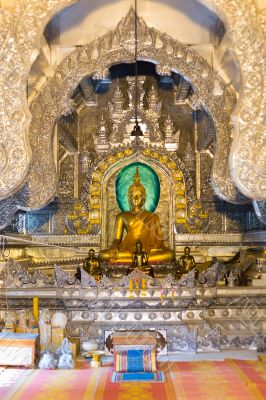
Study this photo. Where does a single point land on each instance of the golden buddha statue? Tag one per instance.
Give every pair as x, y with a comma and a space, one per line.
92, 266
186, 261
140, 225
140, 261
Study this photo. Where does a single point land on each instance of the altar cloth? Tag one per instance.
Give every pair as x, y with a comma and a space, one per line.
135, 361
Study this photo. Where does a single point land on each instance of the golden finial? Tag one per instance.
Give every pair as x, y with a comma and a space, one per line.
137, 177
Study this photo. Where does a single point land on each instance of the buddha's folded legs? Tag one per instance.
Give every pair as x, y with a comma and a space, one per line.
161, 255
122, 256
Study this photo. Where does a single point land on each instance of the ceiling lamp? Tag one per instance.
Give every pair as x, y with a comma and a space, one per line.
137, 129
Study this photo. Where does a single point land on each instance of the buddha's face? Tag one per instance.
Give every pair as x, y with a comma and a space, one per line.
138, 247
187, 251
136, 198
91, 253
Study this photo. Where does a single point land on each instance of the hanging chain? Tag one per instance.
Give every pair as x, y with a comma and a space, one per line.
4, 251
136, 65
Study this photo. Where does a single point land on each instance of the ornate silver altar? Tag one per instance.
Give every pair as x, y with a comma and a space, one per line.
197, 317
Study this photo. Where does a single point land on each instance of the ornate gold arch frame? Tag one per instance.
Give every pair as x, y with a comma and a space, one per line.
123, 156
19, 44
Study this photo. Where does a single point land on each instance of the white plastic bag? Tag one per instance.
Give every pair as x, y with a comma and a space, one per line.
66, 361
65, 357
47, 360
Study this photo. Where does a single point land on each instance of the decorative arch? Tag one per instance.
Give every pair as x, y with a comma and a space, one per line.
246, 32
95, 59
20, 35
22, 43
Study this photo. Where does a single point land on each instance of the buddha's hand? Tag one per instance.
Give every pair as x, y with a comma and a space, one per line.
113, 253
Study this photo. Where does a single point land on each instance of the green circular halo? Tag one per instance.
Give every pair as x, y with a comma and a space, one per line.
148, 178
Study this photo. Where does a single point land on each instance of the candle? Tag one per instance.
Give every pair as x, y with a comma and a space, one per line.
162, 294
36, 308
143, 283
130, 284
137, 283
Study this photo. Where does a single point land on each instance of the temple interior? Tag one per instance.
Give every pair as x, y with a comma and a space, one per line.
132, 199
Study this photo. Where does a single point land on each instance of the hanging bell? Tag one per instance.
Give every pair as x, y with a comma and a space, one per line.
137, 130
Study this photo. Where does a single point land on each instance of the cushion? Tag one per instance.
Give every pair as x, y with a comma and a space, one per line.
135, 361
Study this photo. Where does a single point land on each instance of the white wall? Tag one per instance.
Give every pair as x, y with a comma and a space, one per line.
185, 20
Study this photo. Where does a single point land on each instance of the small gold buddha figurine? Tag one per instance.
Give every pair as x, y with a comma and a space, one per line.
140, 225
186, 261
140, 260
92, 266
